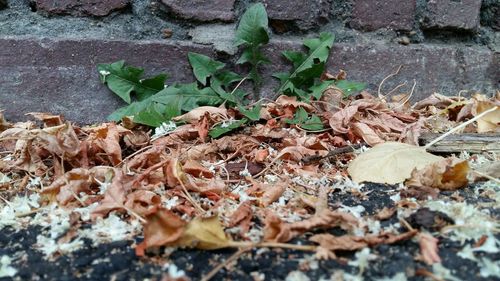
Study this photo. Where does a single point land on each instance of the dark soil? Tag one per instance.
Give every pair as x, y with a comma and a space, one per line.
117, 261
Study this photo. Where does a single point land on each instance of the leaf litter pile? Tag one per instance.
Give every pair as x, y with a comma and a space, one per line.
334, 201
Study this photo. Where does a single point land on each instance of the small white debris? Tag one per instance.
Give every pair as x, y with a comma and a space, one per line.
489, 268
164, 129
5, 269
173, 271
104, 73
355, 211
170, 203
444, 273
4, 178
297, 275
362, 259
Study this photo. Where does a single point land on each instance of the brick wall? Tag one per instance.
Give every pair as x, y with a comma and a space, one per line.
49, 49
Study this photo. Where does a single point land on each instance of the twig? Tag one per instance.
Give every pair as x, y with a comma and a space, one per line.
335, 152
387, 77
223, 264
487, 176
409, 96
438, 139
133, 154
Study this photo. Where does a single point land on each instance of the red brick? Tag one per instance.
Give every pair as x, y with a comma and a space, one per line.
96, 8
449, 14
201, 10
60, 76
370, 15
304, 14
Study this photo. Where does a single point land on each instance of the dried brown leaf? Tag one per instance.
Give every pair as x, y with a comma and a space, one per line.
446, 174
429, 248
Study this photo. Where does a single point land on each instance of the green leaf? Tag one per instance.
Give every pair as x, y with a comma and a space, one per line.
168, 103
313, 124
318, 89
252, 113
252, 29
187, 96
204, 67
350, 87
302, 119
307, 68
223, 128
156, 114
252, 33
124, 80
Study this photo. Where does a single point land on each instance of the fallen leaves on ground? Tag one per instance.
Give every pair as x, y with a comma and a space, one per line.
251, 187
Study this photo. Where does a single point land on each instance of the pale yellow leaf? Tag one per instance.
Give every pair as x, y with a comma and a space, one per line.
205, 234
390, 162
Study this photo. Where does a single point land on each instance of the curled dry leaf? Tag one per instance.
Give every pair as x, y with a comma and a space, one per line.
329, 243
242, 217
195, 169
205, 234
107, 139
446, 174
385, 213
390, 163
369, 135
162, 228
292, 101
490, 122
194, 115
60, 140
142, 201
278, 231
429, 248
272, 192
73, 182
340, 120
116, 194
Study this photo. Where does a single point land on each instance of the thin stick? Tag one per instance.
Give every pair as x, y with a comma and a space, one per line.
223, 264
335, 152
440, 138
409, 96
383, 81
487, 176
238, 85
133, 154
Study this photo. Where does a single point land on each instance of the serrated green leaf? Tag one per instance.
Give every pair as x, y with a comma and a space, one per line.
204, 67
156, 114
308, 67
188, 96
313, 124
222, 129
252, 29
318, 89
301, 118
350, 87
252, 113
252, 33
124, 80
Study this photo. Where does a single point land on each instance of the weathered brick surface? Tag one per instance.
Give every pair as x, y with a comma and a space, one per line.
450, 14
374, 14
304, 14
97, 8
201, 10
59, 76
